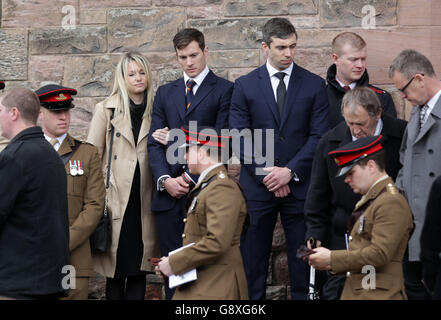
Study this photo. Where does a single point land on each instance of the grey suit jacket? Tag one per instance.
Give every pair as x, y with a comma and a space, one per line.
420, 155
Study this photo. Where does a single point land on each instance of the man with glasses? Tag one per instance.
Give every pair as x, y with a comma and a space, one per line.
413, 74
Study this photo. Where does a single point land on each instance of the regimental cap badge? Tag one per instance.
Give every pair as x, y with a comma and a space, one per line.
61, 97
221, 175
55, 97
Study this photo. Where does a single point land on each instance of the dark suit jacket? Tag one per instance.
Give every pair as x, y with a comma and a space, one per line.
330, 201
34, 225
431, 241
296, 133
210, 107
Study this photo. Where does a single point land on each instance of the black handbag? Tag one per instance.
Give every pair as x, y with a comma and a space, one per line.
100, 238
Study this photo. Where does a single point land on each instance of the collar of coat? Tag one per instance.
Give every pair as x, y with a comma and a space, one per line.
331, 79
341, 131
221, 171
67, 145
374, 192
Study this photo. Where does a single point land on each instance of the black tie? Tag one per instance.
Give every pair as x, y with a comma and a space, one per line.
281, 91
189, 96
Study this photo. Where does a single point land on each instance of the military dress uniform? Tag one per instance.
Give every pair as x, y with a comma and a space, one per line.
85, 191
382, 223
216, 212
214, 223
85, 195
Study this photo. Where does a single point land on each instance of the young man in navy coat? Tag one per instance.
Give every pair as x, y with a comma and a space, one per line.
295, 111
199, 96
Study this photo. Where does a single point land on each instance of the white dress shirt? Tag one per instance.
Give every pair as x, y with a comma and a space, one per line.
274, 80
352, 85
198, 79
60, 140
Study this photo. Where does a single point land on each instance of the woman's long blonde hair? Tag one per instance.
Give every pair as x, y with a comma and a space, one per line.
120, 84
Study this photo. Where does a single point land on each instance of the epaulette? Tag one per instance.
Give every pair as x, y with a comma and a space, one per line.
377, 90
392, 189
85, 142
78, 141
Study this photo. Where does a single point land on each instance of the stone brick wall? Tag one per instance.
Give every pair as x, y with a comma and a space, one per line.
38, 47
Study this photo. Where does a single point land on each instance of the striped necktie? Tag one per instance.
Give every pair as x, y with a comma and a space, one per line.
189, 96
423, 113
53, 141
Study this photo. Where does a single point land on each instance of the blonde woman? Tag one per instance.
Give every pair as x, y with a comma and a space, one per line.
133, 238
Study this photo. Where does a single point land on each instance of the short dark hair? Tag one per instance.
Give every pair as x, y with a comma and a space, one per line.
279, 28
25, 100
185, 36
378, 157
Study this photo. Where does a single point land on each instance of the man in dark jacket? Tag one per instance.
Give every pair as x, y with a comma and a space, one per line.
330, 202
349, 54
34, 226
431, 241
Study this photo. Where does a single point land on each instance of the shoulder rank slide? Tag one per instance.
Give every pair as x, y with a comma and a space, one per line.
391, 189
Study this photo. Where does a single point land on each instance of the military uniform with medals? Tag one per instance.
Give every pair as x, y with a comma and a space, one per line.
85, 191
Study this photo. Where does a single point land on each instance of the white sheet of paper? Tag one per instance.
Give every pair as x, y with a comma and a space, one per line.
176, 280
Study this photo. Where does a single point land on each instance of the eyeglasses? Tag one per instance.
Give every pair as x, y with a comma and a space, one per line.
410, 81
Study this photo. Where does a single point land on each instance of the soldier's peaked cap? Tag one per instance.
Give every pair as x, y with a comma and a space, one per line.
207, 136
346, 157
56, 97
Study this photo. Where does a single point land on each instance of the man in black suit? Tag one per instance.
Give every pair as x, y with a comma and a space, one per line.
288, 105
330, 202
199, 96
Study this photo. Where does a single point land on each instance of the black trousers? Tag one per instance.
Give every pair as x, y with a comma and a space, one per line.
126, 288
413, 276
170, 227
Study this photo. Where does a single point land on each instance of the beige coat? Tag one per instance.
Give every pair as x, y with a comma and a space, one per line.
379, 241
214, 224
123, 165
